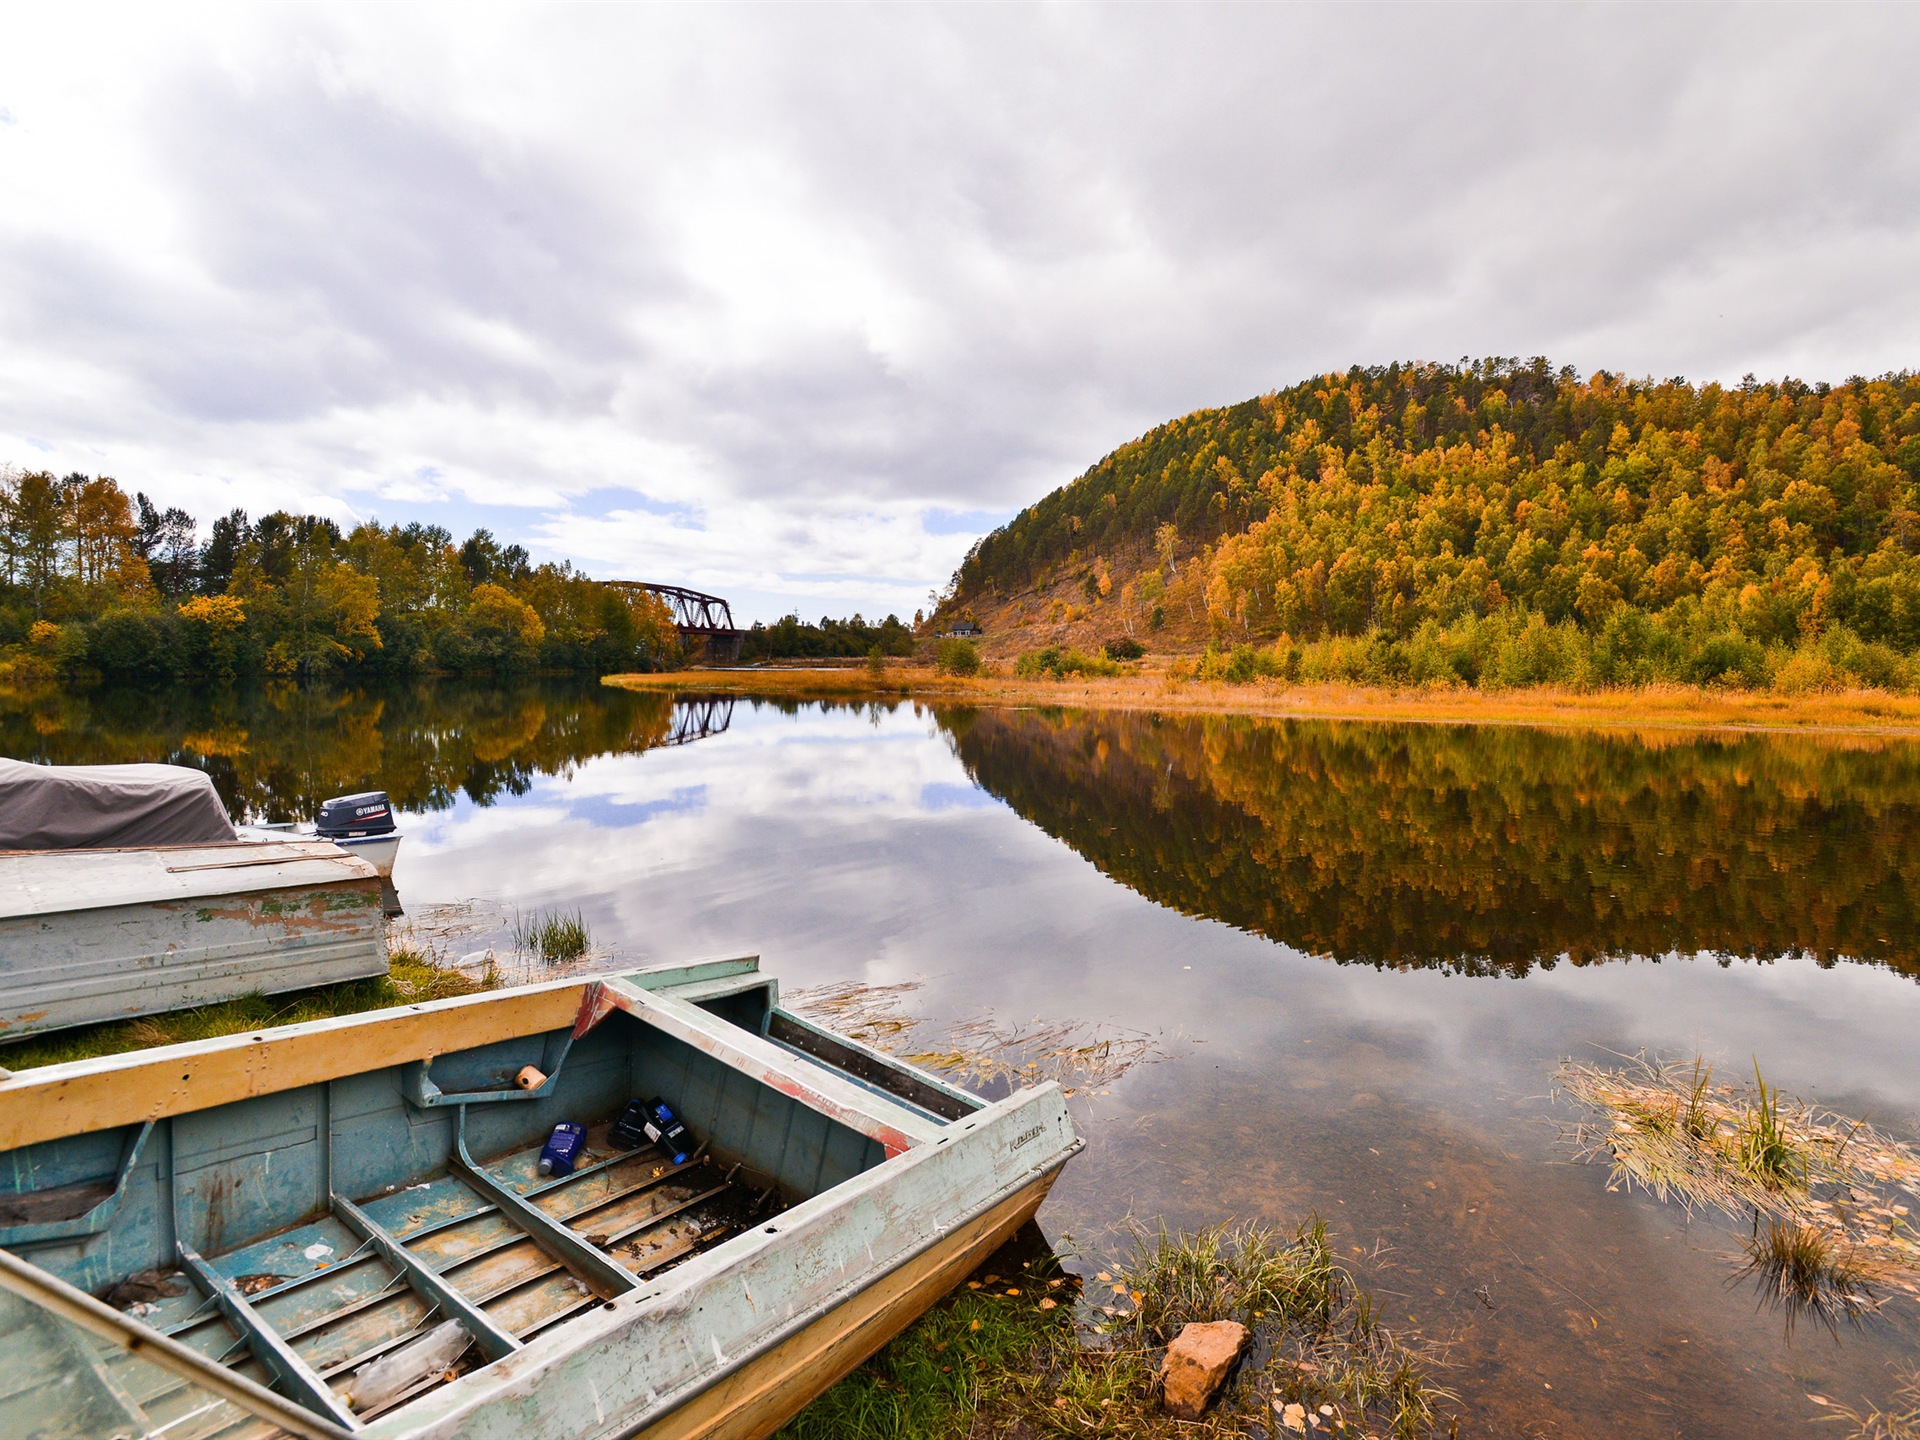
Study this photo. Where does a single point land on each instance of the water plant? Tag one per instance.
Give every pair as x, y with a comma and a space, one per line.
1827, 1198
1809, 1271
554, 936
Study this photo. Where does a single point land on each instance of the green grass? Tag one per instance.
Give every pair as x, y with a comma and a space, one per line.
935, 1377
554, 936
410, 980
996, 1358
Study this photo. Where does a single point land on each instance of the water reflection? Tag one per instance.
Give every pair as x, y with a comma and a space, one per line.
276, 751
1184, 878
1486, 850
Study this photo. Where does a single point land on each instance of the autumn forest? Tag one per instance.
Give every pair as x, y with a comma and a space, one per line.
1496, 523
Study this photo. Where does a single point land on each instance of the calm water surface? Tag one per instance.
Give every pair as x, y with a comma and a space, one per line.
1364, 948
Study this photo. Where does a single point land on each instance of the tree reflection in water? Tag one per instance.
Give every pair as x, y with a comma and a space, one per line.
276, 751
1486, 850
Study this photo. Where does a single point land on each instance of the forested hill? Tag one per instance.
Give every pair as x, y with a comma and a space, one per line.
1392, 498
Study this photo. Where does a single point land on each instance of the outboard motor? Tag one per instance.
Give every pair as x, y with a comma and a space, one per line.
353, 815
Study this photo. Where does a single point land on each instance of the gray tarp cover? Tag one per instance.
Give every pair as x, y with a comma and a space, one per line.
87, 807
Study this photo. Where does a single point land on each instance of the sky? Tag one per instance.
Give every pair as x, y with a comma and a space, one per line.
792, 303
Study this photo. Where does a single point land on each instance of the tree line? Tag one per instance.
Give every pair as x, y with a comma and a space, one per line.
95, 582
791, 638
1501, 518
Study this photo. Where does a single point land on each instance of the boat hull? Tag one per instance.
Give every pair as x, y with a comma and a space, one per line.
95, 935
772, 1388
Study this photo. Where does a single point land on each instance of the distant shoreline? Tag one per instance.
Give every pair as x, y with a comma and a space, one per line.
1662, 707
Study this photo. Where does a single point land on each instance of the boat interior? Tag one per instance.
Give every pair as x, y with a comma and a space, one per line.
298, 1237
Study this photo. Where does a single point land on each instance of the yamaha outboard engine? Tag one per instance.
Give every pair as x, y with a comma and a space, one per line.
351, 815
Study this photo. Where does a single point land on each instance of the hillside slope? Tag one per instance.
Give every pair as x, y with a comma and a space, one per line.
1420, 500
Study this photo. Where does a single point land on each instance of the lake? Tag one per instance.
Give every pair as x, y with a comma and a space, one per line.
1356, 954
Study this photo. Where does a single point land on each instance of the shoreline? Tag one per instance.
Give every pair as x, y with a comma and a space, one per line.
1680, 708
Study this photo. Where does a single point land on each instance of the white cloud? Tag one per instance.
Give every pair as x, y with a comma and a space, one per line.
803, 277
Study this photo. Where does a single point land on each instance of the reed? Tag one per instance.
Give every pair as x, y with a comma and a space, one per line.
553, 936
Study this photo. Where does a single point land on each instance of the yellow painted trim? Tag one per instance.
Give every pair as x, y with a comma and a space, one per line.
770, 1390
87, 1095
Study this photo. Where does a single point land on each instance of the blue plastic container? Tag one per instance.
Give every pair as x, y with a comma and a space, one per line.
562, 1150
653, 1121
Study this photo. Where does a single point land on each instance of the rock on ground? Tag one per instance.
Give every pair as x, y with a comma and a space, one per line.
1197, 1364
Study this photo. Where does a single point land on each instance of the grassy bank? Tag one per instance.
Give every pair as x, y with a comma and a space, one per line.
1020, 1350
1172, 687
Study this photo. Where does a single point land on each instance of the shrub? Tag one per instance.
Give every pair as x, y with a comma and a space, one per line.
954, 656
1241, 664
1057, 663
1123, 648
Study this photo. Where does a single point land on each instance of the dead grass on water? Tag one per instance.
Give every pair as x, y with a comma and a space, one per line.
980, 1052
1899, 1422
1828, 1198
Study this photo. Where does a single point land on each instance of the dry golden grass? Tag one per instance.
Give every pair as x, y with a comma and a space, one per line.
1650, 708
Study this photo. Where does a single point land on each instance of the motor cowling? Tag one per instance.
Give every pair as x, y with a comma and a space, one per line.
348, 815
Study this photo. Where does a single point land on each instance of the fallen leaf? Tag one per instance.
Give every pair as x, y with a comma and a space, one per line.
974, 1326
1013, 1292
1820, 1399
1049, 1304
1103, 1276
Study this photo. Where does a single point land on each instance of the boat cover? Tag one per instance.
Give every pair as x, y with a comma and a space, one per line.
89, 807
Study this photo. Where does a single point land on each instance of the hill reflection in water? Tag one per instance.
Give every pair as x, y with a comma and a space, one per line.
1484, 850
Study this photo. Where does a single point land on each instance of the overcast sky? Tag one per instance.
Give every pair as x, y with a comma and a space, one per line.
791, 303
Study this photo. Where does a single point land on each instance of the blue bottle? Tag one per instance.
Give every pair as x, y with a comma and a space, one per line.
562, 1150
666, 1131
652, 1122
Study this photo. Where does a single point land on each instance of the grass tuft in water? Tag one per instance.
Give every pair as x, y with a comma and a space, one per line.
1769, 1150
1231, 1272
1829, 1199
1810, 1272
554, 936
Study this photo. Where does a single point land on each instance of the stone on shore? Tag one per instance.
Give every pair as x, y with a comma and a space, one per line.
1197, 1364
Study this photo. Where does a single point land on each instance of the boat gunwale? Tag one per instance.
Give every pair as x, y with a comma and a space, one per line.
77, 1097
